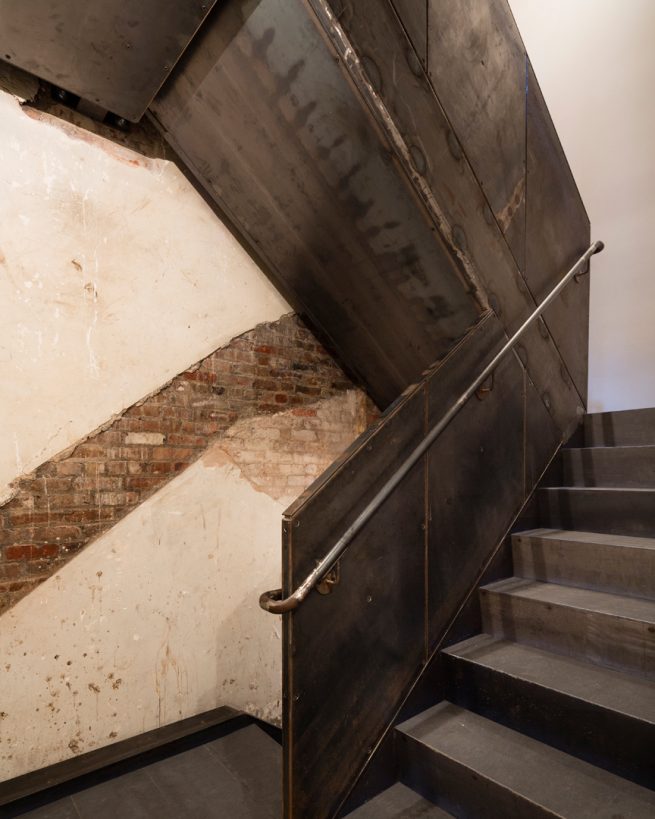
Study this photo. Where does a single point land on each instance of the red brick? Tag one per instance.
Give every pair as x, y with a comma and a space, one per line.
200, 376
273, 367
70, 467
92, 484
177, 439
29, 551
46, 484
24, 585
58, 534
143, 483
162, 468
10, 571
116, 467
89, 451
117, 498
168, 453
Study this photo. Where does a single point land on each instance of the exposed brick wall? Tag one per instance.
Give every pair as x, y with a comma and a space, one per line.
282, 454
72, 499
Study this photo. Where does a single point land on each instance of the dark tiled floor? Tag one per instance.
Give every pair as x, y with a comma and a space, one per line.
235, 776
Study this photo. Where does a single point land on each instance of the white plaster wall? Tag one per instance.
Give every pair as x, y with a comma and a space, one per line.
158, 619
114, 277
595, 63
154, 622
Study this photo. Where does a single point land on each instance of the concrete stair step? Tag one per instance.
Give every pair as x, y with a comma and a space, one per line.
613, 563
620, 466
608, 629
602, 716
598, 509
623, 428
474, 767
399, 802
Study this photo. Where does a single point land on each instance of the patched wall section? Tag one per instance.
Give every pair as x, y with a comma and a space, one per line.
72, 499
114, 277
158, 619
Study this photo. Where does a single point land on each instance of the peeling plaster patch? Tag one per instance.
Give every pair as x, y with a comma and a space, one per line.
282, 454
19, 460
145, 242
116, 152
147, 438
194, 642
8, 494
216, 456
202, 641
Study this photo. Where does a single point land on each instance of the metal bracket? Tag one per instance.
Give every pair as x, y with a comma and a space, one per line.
330, 580
582, 273
484, 389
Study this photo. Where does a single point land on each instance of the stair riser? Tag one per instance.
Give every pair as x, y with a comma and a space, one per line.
603, 737
633, 428
457, 788
619, 512
630, 467
616, 642
605, 567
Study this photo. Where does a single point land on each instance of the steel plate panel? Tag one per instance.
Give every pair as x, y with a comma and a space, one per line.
350, 655
476, 486
477, 63
461, 212
558, 233
300, 168
114, 53
414, 17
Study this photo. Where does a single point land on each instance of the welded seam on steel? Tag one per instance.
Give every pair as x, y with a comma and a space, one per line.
347, 54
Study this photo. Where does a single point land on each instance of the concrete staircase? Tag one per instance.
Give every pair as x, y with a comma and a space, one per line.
551, 711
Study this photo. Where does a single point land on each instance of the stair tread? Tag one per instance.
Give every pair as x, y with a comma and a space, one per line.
600, 489
620, 428
616, 605
631, 695
556, 781
606, 447
399, 802
590, 537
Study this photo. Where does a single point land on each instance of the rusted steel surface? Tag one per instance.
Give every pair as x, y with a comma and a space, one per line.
446, 182
349, 655
351, 166
480, 474
557, 229
264, 116
476, 62
115, 54
413, 15
352, 656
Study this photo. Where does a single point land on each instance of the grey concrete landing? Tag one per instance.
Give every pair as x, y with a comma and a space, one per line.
236, 776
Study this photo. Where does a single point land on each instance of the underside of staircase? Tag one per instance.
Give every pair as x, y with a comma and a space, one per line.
551, 710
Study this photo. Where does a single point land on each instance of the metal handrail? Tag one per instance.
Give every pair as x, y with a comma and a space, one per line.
272, 600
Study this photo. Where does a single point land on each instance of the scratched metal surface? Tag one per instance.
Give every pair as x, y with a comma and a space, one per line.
476, 62
315, 127
115, 54
350, 657
263, 114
